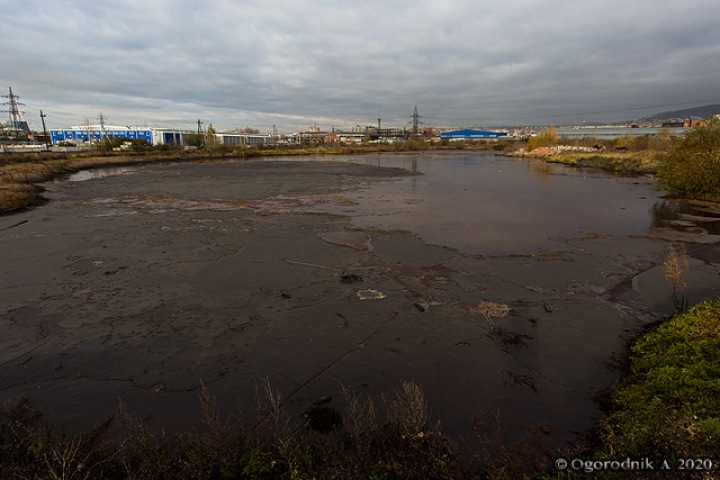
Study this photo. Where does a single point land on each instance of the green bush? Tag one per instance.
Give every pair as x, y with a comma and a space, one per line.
692, 168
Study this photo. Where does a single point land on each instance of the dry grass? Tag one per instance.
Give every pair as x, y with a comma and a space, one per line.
402, 444
16, 196
19, 175
676, 268
624, 162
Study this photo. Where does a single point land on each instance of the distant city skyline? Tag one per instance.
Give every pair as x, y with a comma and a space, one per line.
294, 64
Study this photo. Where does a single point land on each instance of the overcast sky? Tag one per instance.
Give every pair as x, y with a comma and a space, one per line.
297, 63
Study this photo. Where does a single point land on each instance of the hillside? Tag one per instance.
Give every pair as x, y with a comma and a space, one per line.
703, 112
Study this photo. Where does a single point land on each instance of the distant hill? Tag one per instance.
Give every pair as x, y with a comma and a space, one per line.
702, 112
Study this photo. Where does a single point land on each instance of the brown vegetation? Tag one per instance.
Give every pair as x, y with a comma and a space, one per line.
396, 439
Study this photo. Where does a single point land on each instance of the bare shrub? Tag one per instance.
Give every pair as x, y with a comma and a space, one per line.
676, 268
408, 410
360, 418
406, 445
272, 423
498, 461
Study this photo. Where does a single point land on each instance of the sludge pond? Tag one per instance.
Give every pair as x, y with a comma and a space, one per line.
501, 286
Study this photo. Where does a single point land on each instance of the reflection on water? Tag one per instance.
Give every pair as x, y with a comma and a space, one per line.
485, 204
543, 171
84, 175
685, 216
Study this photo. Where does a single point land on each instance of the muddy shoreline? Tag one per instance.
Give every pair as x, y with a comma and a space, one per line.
136, 287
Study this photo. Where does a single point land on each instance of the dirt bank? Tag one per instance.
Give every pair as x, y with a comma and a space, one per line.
135, 287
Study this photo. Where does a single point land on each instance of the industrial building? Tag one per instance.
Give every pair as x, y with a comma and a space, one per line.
469, 134
81, 134
246, 139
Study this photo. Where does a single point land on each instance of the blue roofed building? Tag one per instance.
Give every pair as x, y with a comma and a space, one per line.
470, 134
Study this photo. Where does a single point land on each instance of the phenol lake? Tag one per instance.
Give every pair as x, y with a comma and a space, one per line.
487, 204
505, 288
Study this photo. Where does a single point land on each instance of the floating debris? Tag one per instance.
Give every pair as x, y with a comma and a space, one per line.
521, 380
357, 240
350, 278
424, 305
370, 294
157, 388
491, 309
323, 418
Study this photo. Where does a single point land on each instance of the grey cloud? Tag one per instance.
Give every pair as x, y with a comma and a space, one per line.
295, 63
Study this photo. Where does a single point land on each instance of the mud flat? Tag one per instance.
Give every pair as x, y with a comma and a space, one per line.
135, 287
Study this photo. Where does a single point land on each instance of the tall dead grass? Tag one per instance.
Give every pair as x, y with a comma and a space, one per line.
402, 443
676, 268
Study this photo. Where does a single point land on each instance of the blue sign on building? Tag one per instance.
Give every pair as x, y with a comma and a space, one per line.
73, 135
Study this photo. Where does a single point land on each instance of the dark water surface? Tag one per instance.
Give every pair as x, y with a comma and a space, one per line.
487, 204
135, 287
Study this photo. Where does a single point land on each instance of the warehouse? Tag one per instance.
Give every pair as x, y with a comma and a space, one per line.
469, 134
94, 133
246, 139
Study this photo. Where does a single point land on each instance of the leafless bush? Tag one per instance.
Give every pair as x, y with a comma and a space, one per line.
360, 418
498, 461
404, 444
676, 268
408, 410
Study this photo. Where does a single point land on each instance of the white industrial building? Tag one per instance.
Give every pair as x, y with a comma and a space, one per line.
81, 134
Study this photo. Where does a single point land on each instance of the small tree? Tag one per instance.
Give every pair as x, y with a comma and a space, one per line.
663, 140
210, 136
195, 140
546, 138
692, 168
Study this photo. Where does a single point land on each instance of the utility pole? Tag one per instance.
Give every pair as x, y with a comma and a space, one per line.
45, 134
87, 126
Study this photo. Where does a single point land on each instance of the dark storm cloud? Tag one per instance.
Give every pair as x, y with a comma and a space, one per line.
297, 63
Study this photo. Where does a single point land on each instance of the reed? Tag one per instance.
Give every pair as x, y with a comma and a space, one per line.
676, 267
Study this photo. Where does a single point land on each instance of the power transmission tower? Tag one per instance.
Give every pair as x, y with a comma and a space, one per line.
102, 127
416, 121
15, 117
